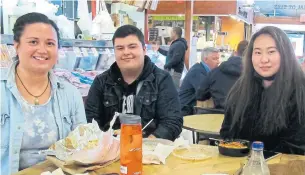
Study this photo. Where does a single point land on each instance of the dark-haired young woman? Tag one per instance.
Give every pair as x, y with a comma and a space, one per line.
37, 109
267, 103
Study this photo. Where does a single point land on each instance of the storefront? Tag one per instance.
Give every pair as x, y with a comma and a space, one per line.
89, 47
86, 50
294, 29
160, 26
288, 16
225, 25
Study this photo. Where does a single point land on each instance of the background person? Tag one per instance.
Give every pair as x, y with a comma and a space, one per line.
191, 82
219, 81
175, 56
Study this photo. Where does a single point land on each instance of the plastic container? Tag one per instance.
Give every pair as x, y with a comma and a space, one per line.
256, 164
131, 145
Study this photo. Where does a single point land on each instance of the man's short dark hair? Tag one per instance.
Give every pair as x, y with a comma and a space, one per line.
178, 31
242, 46
127, 30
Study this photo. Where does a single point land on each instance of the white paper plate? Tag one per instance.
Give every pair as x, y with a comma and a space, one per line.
151, 144
194, 152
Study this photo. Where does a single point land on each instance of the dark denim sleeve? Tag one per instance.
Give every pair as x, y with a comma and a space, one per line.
163, 52
168, 111
94, 106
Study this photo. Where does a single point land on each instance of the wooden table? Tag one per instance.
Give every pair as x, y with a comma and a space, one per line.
206, 124
217, 164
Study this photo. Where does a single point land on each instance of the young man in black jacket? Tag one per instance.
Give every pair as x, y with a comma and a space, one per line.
175, 55
134, 85
218, 82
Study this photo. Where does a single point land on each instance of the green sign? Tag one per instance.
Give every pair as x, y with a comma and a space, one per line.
171, 18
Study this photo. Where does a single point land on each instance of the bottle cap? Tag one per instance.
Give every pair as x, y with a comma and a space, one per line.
257, 145
129, 119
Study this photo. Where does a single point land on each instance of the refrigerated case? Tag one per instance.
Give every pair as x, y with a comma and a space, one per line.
67, 8
79, 61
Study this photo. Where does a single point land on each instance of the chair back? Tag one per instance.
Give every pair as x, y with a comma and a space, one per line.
200, 110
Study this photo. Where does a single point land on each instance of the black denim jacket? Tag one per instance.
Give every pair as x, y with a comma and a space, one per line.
157, 99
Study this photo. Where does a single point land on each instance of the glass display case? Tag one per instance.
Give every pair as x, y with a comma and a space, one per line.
79, 61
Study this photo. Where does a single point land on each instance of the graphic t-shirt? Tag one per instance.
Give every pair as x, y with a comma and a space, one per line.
129, 92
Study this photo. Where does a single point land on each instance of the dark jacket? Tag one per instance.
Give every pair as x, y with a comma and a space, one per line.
290, 140
219, 81
157, 99
190, 84
175, 55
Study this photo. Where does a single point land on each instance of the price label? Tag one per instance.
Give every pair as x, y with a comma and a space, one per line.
123, 169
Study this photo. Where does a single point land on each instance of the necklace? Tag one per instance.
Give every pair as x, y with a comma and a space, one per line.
36, 101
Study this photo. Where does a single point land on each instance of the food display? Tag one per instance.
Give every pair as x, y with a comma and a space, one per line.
7, 53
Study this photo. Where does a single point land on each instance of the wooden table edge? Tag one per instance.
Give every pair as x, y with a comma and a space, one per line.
201, 131
274, 160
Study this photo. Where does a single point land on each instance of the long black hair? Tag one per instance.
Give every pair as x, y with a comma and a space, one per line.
287, 92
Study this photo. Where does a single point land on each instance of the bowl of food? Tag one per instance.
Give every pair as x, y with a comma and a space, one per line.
234, 148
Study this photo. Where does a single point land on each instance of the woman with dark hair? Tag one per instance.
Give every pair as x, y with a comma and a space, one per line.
37, 109
267, 103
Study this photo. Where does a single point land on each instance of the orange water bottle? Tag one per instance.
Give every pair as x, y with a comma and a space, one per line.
131, 145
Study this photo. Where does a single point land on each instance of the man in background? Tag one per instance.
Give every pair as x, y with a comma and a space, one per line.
191, 82
218, 82
175, 55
